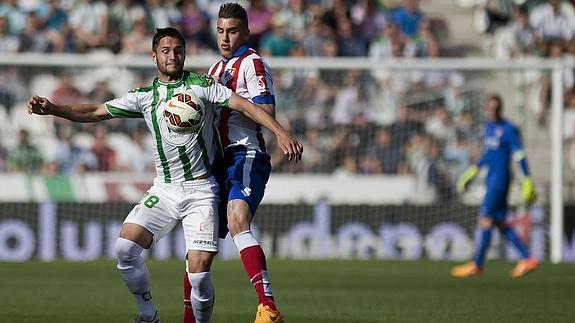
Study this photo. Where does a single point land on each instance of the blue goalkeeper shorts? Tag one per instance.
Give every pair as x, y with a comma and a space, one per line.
242, 175
494, 204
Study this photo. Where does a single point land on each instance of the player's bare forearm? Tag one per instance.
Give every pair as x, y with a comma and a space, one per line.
269, 109
264, 115
85, 113
290, 146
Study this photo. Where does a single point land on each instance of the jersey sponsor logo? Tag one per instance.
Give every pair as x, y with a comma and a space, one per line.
262, 84
206, 227
246, 191
204, 242
491, 142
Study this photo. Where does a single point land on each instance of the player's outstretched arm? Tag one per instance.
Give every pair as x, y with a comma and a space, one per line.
78, 112
465, 179
527, 186
290, 146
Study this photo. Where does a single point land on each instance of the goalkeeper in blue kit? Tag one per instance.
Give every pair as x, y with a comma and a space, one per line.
501, 143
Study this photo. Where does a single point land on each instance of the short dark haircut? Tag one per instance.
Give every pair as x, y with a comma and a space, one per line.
234, 10
166, 32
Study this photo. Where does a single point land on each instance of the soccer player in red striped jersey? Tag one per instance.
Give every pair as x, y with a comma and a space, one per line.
245, 168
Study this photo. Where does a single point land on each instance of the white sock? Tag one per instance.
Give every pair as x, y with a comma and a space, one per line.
245, 239
135, 274
202, 297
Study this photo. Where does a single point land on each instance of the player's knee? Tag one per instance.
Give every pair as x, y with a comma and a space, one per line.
127, 250
485, 223
200, 261
238, 221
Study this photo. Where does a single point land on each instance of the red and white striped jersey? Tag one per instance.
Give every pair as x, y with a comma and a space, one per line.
250, 77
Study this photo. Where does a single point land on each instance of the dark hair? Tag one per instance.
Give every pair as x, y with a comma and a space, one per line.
166, 32
234, 10
497, 98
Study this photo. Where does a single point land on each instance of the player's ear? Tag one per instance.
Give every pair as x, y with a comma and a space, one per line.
154, 58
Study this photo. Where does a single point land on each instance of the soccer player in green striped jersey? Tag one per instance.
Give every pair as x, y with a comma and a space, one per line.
184, 189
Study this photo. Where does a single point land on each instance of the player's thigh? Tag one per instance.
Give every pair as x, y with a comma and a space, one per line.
247, 178
199, 212
494, 204
155, 212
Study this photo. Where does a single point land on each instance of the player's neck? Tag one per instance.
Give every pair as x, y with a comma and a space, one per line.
164, 78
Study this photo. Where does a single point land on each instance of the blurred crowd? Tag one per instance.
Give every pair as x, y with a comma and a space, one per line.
425, 123
531, 28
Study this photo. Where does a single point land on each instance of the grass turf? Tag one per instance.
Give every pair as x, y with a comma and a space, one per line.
306, 291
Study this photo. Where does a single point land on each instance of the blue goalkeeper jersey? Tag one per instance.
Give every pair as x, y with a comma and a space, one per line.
501, 139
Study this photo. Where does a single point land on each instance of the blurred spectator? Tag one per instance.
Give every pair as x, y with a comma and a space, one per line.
194, 23
9, 43
33, 38
439, 125
385, 152
349, 43
447, 83
553, 20
391, 43
523, 40
89, 22
466, 127
138, 157
316, 151
16, 16
55, 18
278, 42
259, 20
407, 17
101, 92
124, 14
348, 166
347, 98
395, 84
314, 39
437, 175
70, 158
25, 157
160, 13
335, 14
105, 156
56, 27
65, 92
13, 87
368, 19
497, 14
404, 127
138, 40
457, 155
296, 18
555, 49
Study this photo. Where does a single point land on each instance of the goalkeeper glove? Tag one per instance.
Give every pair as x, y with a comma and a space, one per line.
466, 178
528, 191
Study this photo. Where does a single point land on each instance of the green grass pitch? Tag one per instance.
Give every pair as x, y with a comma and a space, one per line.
306, 291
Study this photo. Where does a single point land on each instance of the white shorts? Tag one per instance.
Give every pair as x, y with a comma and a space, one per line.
195, 203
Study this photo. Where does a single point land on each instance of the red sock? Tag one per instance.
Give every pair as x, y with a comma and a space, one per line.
254, 262
188, 312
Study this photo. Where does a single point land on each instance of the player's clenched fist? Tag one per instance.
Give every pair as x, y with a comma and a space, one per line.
291, 147
39, 105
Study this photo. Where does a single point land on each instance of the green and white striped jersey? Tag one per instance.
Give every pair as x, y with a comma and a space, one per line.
179, 157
